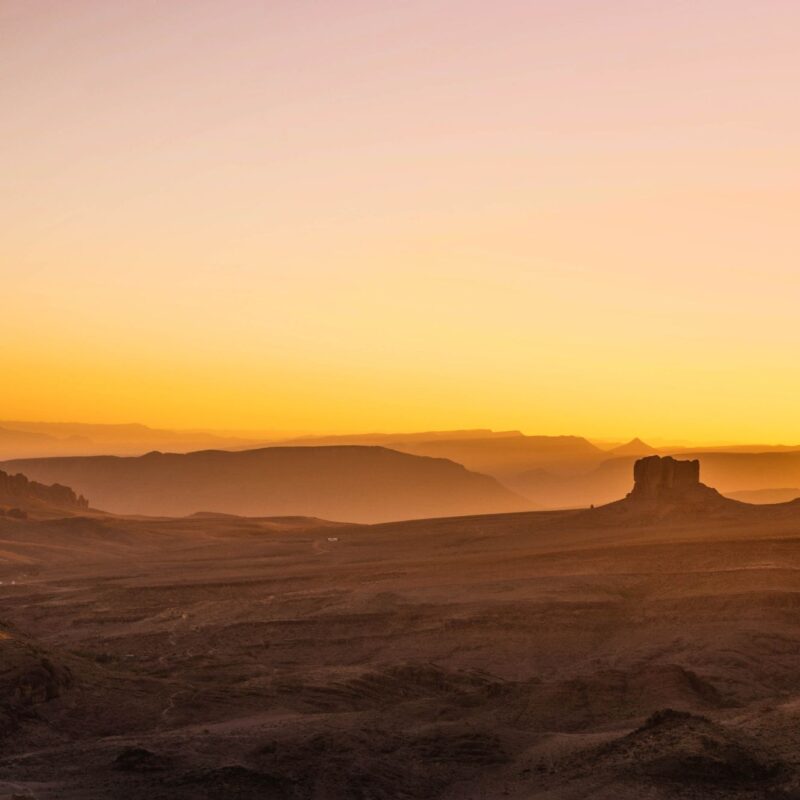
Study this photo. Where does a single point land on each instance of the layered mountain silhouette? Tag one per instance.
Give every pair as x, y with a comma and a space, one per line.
550, 471
20, 496
19, 439
496, 453
356, 484
766, 496
391, 439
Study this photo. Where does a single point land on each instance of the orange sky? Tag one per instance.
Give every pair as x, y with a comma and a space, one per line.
566, 216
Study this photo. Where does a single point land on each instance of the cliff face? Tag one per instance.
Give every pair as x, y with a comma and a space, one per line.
657, 478
667, 484
18, 494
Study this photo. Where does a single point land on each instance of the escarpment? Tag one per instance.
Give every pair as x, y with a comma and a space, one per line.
19, 495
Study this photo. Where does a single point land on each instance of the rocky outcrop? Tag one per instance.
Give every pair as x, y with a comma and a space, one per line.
18, 495
28, 678
665, 484
676, 747
656, 478
667, 487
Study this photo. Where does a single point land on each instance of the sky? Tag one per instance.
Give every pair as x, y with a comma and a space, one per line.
558, 216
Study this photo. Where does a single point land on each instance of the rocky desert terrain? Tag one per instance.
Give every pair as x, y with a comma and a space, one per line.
647, 649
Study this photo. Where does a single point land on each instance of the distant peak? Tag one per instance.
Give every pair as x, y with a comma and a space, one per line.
635, 447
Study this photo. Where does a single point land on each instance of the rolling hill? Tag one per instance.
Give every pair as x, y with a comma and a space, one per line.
357, 484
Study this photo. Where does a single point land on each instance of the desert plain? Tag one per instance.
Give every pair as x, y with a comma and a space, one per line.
637, 650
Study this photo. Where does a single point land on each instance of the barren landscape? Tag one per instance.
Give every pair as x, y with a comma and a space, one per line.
397, 400
644, 649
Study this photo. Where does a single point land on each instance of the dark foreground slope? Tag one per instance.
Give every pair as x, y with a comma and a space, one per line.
538, 656
358, 484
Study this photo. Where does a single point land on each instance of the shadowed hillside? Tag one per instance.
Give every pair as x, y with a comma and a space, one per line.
357, 484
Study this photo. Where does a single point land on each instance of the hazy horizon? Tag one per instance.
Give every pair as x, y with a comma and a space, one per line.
278, 435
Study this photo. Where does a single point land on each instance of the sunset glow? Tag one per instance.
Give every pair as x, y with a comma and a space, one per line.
564, 216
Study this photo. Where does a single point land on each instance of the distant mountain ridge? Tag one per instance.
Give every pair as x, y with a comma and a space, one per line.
44, 439
493, 453
396, 438
552, 471
635, 447
765, 496
344, 483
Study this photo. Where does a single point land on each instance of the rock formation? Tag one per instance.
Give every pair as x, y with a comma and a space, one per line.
18, 494
657, 478
665, 483
665, 486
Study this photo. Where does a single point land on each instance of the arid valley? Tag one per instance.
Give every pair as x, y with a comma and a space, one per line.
643, 649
